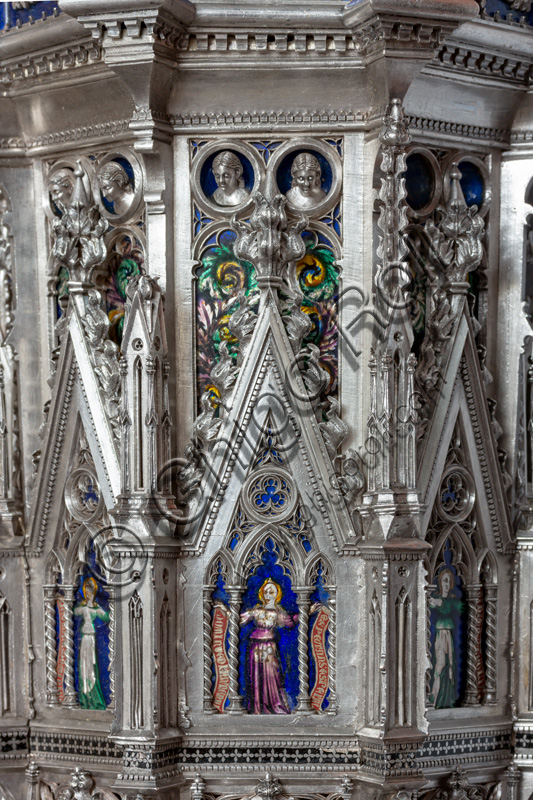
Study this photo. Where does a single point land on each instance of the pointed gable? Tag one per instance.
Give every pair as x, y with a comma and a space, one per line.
463, 402
76, 402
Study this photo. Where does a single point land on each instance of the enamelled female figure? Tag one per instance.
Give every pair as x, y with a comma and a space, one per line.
264, 679
89, 688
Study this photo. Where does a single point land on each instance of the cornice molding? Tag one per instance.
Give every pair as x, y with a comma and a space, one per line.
83, 134
441, 127
484, 63
265, 119
334, 43
70, 56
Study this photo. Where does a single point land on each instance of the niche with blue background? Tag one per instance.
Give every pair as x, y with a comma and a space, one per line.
286, 638
101, 628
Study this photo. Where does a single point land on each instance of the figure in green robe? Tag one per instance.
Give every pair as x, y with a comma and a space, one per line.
446, 608
89, 689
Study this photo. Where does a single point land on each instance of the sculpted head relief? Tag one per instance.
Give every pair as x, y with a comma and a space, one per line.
306, 190
60, 187
227, 171
116, 187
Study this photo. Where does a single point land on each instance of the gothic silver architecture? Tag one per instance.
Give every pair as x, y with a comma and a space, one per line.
266, 400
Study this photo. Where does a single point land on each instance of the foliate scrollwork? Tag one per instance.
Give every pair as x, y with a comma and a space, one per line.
455, 239
79, 234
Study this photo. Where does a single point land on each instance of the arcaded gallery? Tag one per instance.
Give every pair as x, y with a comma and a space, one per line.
266, 400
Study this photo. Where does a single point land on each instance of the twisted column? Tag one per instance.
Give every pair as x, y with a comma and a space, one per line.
70, 699
111, 593
304, 703
235, 704
52, 694
473, 593
208, 651
332, 654
491, 592
430, 588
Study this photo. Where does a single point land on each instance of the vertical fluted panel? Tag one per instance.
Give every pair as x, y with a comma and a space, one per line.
491, 661
52, 695
208, 652
303, 649
235, 705
70, 698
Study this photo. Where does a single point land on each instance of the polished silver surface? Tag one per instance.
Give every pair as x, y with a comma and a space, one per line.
266, 405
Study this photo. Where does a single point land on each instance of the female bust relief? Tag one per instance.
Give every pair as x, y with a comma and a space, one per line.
306, 191
227, 171
116, 187
264, 680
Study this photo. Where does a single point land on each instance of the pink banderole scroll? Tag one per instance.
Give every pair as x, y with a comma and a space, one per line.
318, 649
220, 657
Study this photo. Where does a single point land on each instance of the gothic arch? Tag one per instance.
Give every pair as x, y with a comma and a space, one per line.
54, 567
467, 567
291, 560
222, 559
313, 565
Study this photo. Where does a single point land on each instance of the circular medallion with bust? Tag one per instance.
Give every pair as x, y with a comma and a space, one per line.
116, 187
306, 190
227, 171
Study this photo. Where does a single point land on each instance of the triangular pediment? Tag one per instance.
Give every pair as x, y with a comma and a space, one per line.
76, 405
463, 406
270, 394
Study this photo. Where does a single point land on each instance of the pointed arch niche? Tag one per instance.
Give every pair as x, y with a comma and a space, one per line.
269, 627
79, 625
462, 593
